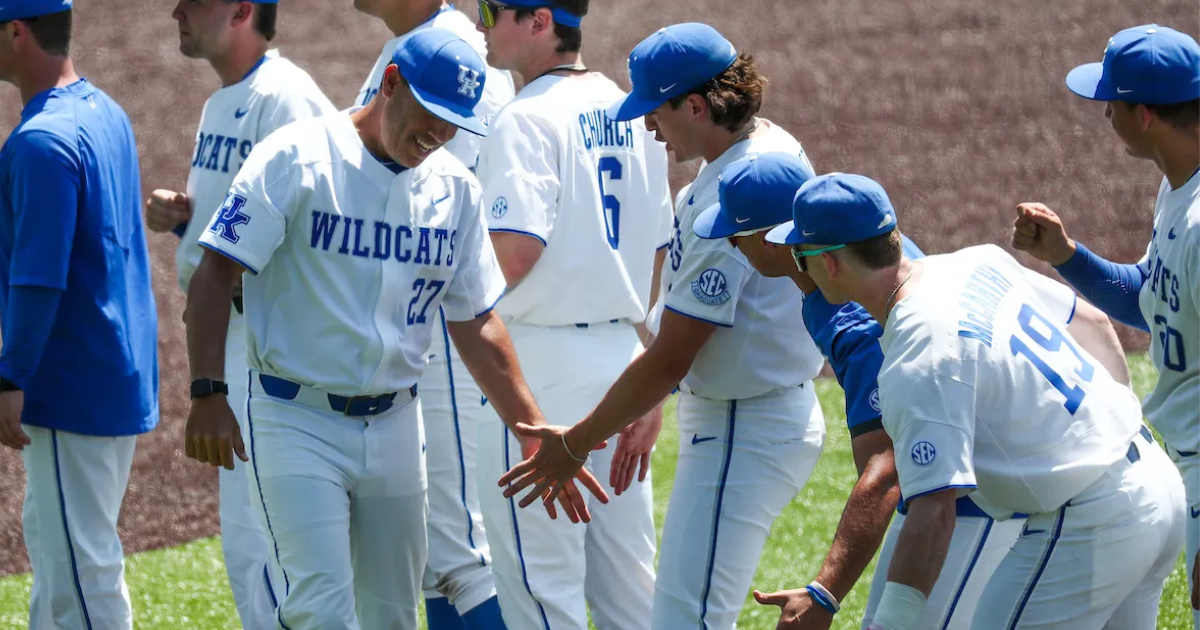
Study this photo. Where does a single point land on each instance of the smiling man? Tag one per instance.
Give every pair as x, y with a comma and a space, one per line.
353, 230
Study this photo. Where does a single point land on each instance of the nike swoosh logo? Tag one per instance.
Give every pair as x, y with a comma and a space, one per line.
664, 90
1028, 532
482, 400
1171, 235
885, 222
807, 233
240, 113
1121, 91
1195, 512
447, 196
740, 221
696, 439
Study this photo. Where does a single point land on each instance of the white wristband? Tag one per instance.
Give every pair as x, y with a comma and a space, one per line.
828, 602
899, 608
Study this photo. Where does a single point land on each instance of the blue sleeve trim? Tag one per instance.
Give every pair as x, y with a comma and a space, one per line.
689, 315
908, 500
230, 257
493, 306
522, 232
1111, 286
180, 230
27, 323
663, 246
1074, 305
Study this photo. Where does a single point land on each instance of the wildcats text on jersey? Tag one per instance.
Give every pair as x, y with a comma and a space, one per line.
213, 152
388, 241
601, 131
980, 299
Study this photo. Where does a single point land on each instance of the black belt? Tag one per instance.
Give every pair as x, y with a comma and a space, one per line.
284, 389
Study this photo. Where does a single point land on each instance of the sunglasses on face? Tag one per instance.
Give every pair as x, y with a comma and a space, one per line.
801, 255
489, 12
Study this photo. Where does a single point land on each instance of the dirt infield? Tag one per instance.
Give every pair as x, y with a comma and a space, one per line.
956, 106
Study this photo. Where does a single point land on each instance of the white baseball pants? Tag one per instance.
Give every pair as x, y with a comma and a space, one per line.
1189, 469
244, 544
548, 572
740, 463
978, 546
451, 405
342, 500
1098, 562
74, 485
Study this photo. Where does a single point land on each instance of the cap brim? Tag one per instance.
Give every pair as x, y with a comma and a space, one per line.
452, 115
711, 223
632, 107
1086, 81
785, 234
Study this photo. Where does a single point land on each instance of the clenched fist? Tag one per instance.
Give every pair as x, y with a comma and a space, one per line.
1039, 231
167, 210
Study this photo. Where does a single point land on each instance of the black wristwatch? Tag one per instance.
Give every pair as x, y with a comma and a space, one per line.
8, 386
205, 387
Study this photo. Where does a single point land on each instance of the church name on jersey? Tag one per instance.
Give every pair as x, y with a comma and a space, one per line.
979, 300
355, 237
214, 152
601, 131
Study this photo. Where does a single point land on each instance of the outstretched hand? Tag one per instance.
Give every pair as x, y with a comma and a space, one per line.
797, 610
551, 470
632, 454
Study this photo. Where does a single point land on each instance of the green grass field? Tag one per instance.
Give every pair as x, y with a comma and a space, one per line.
185, 587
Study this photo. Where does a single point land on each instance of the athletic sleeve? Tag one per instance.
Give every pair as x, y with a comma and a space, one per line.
520, 180
1056, 296
1113, 287
478, 282
709, 280
858, 352
253, 220
45, 181
930, 417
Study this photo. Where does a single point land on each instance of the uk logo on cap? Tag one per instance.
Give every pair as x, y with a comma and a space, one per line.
446, 76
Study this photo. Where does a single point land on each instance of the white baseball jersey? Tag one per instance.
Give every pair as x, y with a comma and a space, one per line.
593, 191
1170, 301
761, 343
497, 89
234, 120
983, 389
349, 260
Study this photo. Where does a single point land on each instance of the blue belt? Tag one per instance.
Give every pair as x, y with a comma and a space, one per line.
284, 389
611, 321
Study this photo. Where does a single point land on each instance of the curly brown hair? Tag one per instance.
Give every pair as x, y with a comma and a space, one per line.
734, 96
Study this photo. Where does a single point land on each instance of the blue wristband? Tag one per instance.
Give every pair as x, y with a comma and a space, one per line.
821, 599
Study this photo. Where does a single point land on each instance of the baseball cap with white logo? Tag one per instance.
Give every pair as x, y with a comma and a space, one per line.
755, 193
445, 75
1149, 64
673, 61
24, 9
837, 209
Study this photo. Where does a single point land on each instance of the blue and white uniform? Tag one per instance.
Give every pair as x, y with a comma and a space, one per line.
80, 338
368, 252
236, 118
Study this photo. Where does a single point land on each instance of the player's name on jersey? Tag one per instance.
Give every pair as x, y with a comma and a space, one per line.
601, 131
377, 239
980, 299
213, 152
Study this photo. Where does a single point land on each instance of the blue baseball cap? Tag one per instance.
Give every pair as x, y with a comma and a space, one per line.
755, 193
1149, 64
673, 61
22, 9
445, 74
561, 16
837, 209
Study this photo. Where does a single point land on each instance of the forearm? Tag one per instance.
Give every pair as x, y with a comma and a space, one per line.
863, 525
28, 321
924, 542
1111, 286
207, 319
488, 353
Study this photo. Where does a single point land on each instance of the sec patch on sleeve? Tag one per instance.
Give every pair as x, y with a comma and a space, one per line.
711, 288
923, 453
229, 217
499, 207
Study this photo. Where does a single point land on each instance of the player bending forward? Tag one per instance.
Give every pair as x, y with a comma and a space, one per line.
1150, 78
750, 426
360, 223
984, 392
260, 92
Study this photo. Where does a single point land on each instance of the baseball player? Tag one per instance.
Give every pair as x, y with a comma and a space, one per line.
750, 426
579, 211
260, 92
985, 392
1150, 78
460, 593
79, 320
758, 191
362, 224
